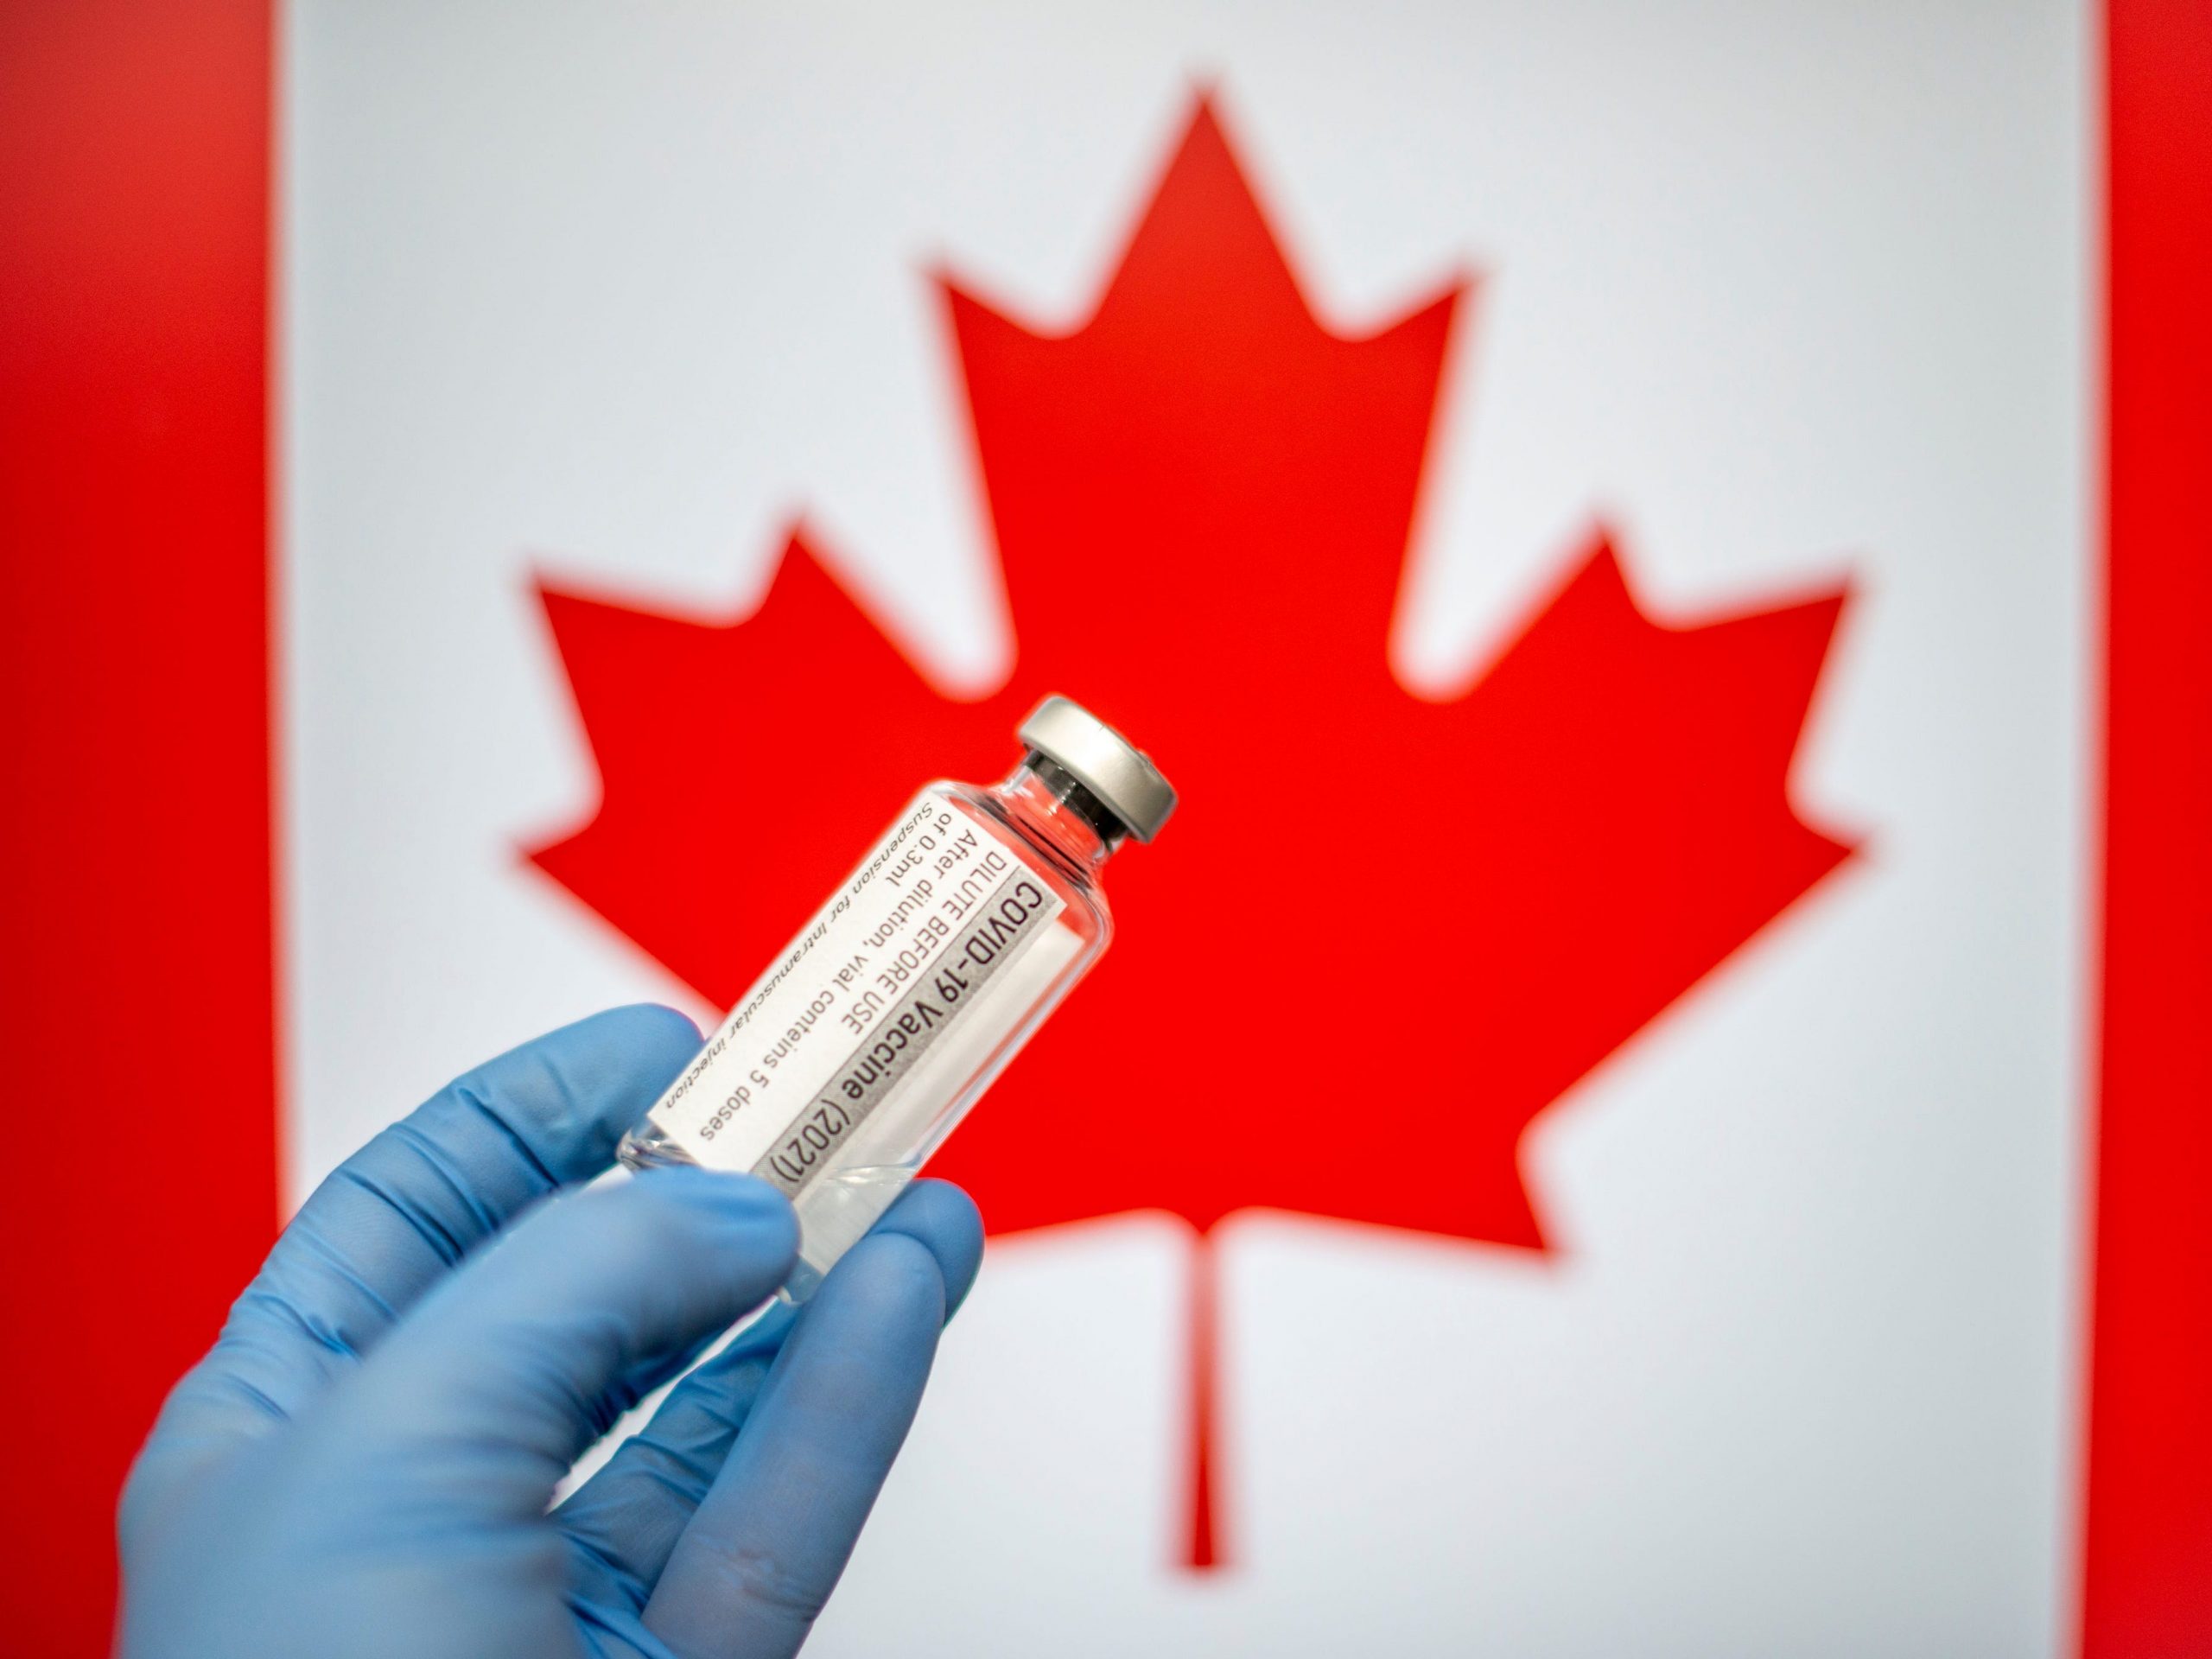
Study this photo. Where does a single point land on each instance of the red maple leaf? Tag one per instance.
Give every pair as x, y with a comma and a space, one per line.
1379, 920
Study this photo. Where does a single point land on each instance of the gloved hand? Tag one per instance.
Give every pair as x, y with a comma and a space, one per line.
362, 1465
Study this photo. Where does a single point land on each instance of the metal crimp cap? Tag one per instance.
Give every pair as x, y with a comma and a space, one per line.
1104, 762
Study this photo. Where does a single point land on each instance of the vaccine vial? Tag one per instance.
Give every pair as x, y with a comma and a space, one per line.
868, 1039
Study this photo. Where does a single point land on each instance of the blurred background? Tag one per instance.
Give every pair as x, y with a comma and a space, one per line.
1652, 1100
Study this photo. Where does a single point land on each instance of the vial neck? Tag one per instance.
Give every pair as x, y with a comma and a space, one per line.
1052, 806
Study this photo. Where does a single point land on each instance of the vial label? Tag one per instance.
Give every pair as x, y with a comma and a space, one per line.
898, 959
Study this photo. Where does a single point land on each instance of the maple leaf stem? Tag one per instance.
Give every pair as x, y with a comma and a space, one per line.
1203, 1549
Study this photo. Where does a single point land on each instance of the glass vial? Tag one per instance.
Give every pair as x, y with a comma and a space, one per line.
866, 1042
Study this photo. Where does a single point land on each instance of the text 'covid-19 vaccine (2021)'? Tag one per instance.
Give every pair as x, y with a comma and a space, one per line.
866, 1042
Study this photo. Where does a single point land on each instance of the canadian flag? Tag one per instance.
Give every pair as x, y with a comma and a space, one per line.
1655, 1099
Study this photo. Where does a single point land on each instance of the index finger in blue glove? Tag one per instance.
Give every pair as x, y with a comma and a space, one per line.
767, 1545
627, 1519
398, 1214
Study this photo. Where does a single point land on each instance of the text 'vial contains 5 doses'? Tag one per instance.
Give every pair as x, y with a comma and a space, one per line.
863, 1045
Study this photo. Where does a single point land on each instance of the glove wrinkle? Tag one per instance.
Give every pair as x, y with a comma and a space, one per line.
470, 1093
325, 1335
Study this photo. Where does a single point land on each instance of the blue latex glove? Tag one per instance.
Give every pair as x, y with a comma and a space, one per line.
362, 1465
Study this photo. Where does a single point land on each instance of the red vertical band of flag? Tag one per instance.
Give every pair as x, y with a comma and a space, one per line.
134, 695
2147, 1549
